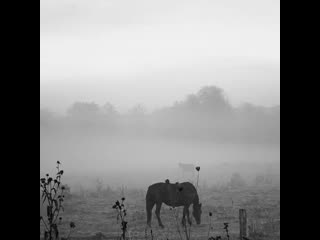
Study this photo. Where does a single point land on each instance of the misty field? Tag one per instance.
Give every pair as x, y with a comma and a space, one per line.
101, 170
134, 93
139, 162
92, 212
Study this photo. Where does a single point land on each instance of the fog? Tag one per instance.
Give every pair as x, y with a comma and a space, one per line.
139, 163
156, 52
245, 80
128, 89
137, 148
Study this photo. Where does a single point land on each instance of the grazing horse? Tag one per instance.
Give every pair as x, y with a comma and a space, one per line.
173, 195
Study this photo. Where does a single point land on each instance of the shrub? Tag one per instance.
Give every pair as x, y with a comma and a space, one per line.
52, 194
122, 213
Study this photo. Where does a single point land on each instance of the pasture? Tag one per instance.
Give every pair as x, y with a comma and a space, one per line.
92, 212
101, 170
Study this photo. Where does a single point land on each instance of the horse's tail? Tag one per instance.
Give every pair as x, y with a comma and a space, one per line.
149, 195
149, 205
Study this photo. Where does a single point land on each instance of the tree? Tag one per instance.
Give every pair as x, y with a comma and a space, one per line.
84, 110
192, 101
109, 110
46, 117
138, 110
212, 99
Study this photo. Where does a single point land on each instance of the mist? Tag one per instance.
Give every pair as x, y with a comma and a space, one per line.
137, 147
156, 52
147, 102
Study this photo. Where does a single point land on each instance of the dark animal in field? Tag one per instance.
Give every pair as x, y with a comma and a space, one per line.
173, 195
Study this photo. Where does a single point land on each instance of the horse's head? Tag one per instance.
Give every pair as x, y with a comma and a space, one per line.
197, 212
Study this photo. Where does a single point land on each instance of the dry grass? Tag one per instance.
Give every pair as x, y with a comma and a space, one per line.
96, 219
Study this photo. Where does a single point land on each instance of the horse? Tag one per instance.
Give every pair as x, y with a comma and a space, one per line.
173, 195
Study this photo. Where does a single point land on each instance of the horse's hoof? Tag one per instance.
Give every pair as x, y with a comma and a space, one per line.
161, 226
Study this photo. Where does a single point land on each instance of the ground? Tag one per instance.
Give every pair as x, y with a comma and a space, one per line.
95, 218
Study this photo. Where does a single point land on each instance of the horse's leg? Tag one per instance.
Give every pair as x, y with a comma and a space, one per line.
149, 206
183, 222
188, 215
158, 207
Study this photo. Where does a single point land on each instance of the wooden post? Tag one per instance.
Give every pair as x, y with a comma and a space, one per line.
243, 223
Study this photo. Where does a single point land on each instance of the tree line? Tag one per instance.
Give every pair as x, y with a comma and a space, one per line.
205, 115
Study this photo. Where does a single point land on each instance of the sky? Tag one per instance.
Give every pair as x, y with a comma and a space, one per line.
154, 52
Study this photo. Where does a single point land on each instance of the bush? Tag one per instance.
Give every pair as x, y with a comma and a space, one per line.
52, 194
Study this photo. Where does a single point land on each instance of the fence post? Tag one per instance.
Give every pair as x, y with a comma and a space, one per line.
243, 223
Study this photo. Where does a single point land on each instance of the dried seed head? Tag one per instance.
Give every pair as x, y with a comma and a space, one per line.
72, 225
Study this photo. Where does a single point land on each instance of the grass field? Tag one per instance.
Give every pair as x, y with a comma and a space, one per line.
95, 218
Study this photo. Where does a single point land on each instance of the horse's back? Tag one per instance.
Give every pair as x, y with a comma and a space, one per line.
172, 194
154, 191
161, 186
187, 189
189, 186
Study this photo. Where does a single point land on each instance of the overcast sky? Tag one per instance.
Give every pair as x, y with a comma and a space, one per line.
155, 52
